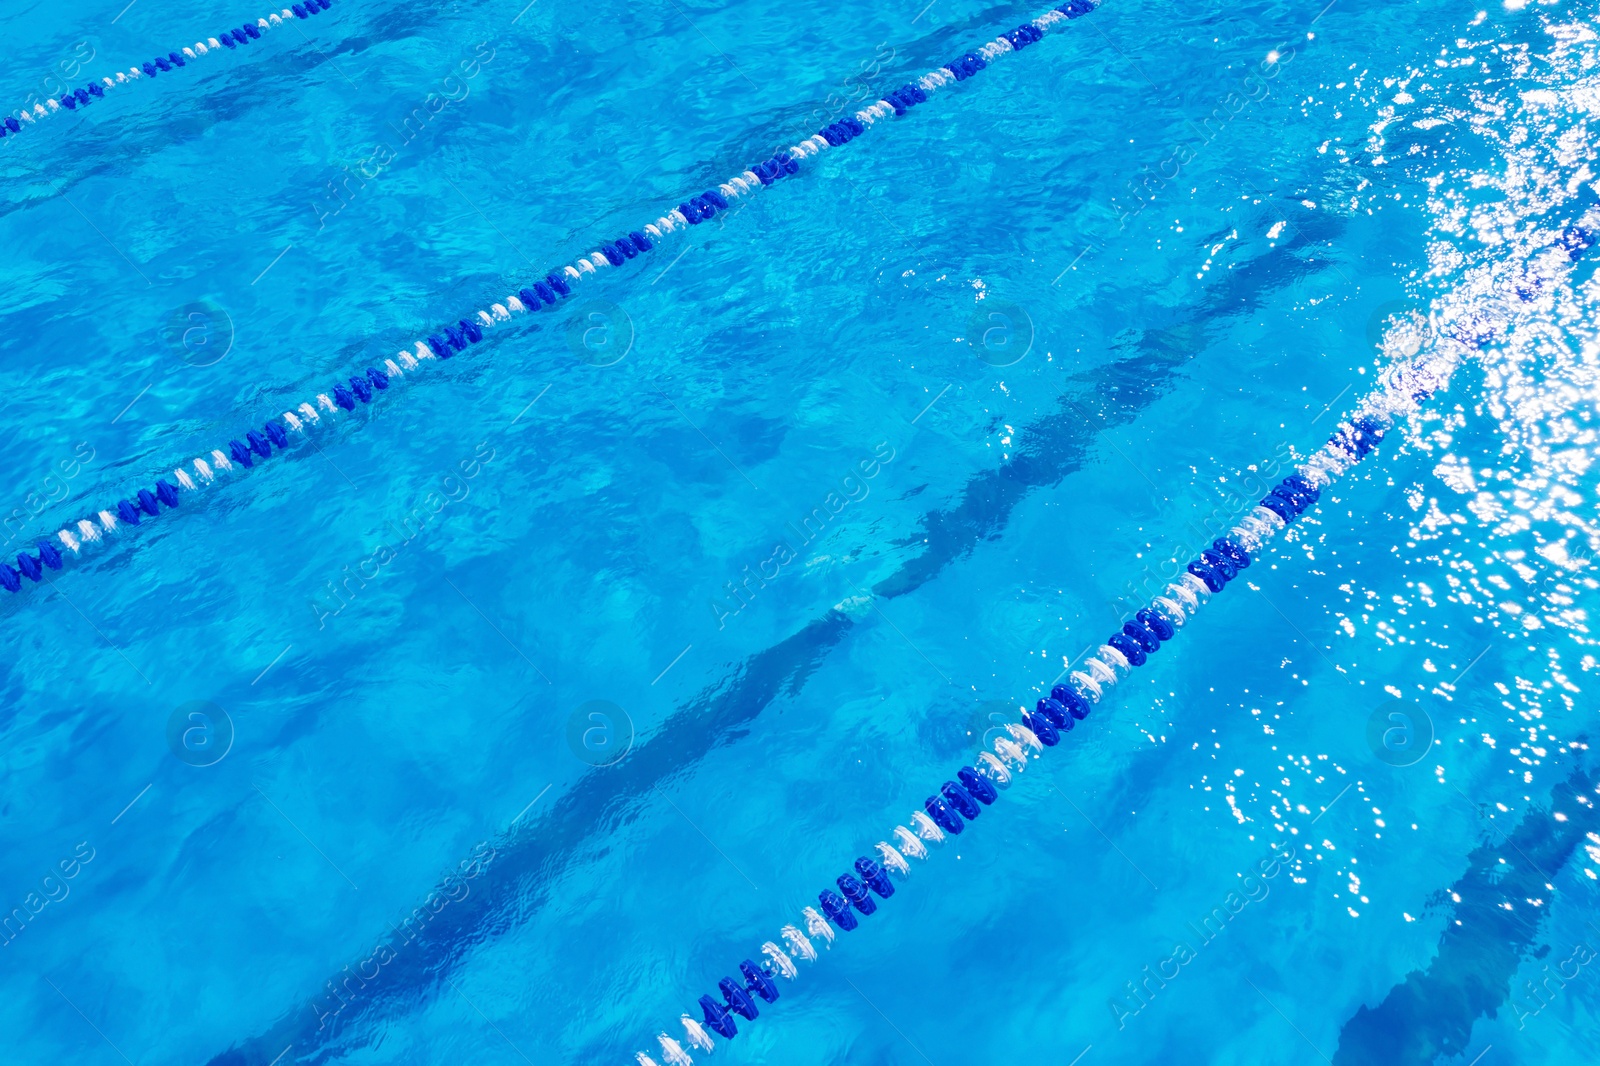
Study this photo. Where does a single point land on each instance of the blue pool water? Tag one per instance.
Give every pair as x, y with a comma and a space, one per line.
1200, 258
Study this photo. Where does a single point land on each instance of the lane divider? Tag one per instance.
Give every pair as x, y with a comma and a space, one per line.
318, 414
960, 801
230, 39
1463, 326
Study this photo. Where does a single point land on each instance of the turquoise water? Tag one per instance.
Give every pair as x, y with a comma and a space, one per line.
418, 745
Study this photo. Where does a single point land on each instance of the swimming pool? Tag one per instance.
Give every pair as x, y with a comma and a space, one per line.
539, 691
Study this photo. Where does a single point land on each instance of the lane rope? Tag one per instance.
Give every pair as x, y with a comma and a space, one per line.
230, 40
78, 540
960, 801
1489, 302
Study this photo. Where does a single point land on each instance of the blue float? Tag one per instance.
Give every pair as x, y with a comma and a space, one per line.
1158, 623
1141, 633
1053, 712
1207, 573
961, 800
943, 816
29, 566
1298, 500
1220, 563
757, 981
1576, 240
1047, 733
837, 910
48, 554
1129, 648
716, 1015
875, 878
1299, 483
737, 999
981, 787
1280, 507
856, 893
1240, 557
1358, 438
1076, 703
